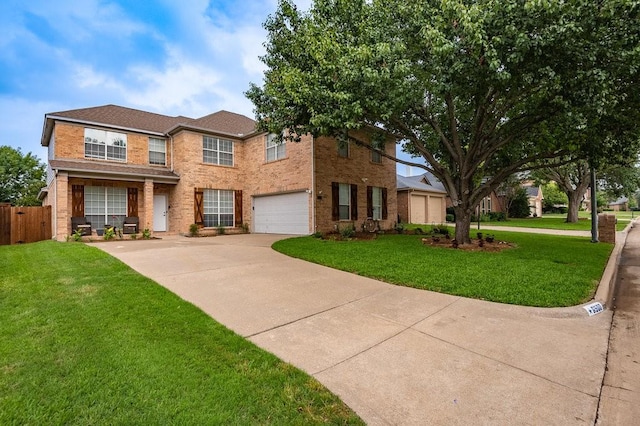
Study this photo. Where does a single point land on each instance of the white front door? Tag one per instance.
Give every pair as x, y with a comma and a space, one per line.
159, 213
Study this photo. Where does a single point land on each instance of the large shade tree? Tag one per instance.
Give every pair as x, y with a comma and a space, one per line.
22, 176
476, 88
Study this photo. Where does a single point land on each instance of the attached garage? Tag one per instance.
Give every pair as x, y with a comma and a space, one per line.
281, 214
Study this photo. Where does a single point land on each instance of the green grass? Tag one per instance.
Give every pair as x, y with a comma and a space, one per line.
543, 270
86, 340
556, 222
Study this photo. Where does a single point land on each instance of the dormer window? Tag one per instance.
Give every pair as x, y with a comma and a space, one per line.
104, 145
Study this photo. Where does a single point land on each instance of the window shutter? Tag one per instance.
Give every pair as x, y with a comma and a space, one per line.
354, 202
132, 202
335, 201
385, 212
238, 212
369, 201
198, 207
77, 200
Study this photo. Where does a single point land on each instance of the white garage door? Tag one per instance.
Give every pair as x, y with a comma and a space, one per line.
282, 214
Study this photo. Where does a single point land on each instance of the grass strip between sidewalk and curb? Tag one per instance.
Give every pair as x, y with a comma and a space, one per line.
542, 270
87, 340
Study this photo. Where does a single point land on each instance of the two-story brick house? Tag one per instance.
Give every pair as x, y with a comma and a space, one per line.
110, 162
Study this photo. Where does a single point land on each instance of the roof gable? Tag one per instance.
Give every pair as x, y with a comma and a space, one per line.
422, 182
225, 122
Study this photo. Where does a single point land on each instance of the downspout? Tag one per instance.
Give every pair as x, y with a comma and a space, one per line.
171, 142
313, 185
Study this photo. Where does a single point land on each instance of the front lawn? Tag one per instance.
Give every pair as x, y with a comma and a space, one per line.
86, 340
543, 270
551, 222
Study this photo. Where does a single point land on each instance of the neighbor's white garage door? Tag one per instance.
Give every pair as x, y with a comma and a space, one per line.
282, 214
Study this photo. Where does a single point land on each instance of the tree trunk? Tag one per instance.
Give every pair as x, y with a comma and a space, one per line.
574, 205
463, 225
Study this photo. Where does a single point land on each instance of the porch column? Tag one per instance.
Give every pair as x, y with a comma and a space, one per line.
62, 207
147, 220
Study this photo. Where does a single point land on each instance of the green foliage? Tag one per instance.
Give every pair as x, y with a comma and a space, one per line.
543, 270
221, 230
77, 235
347, 231
22, 176
94, 342
109, 233
194, 230
146, 234
553, 197
520, 205
481, 90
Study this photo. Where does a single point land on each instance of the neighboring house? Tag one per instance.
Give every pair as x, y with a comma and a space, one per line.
619, 205
109, 162
534, 195
421, 199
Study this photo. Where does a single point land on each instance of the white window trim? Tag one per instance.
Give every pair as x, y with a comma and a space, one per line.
164, 141
217, 151
340, 204
377, 209
105, 144
216, 208
279, 149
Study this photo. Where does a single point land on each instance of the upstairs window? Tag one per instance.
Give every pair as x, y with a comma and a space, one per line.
217, 151
376, 157
274, 150
104, 145
343, 149
157, 151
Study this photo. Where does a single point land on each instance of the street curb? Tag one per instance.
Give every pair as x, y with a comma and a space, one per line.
606, 291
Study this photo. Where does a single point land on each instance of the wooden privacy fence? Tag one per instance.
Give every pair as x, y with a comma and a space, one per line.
20, 225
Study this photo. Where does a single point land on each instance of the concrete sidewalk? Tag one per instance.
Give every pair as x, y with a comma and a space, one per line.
396, 355
620, 400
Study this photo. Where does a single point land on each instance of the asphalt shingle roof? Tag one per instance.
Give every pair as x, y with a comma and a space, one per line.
423, 182
129, 118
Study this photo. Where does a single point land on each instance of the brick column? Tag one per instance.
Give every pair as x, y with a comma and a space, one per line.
607, 228
62, 207
147, 220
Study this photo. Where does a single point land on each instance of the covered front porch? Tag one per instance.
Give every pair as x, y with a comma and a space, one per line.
90, 197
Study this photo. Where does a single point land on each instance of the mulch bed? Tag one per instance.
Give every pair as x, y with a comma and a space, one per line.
494, 246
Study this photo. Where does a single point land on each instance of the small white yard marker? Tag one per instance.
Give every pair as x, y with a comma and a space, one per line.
594, 308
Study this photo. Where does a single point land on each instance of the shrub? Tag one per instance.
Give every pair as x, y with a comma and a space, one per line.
146, 234
520, 205
194, 230
348, 231
221, 230
450, 218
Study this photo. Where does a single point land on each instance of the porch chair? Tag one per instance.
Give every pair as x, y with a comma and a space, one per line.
130, 225
80, 223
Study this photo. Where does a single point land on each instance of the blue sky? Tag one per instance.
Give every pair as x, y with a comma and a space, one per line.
189, 57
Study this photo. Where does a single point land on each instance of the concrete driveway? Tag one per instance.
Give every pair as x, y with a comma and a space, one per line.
395, 355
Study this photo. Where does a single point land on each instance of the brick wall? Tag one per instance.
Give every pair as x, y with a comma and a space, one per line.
403, 206
194, 173
607, 228
357, 169
293, 173
69, 144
